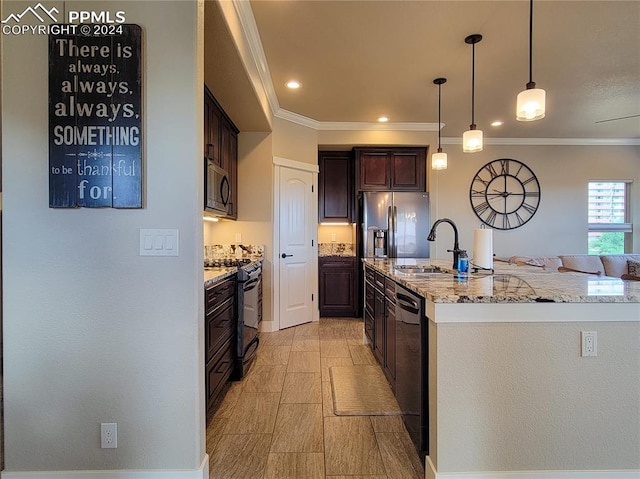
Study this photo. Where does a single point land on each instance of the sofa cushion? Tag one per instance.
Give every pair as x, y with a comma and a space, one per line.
616, 264
550, 263
587, 263
633, 268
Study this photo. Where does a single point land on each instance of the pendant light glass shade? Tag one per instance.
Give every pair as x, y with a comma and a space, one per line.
530, 105
439, 159
472, 138
472, 141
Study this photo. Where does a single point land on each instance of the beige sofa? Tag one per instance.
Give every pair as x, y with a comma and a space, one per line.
609, 265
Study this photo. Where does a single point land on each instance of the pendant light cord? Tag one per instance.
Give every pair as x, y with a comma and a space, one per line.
473, 85
531, 84
439, 121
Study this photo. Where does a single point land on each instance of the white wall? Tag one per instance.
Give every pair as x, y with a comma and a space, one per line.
518, 397
560, 224
343, 233
295, 142
92, 331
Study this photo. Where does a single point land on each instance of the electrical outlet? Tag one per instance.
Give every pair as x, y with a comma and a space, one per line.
109, 435
589, 341
238, 238
333, 237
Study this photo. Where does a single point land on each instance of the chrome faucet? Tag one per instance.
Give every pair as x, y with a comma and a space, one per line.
456, 247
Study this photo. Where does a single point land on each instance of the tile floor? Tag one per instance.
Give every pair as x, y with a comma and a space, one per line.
278, 423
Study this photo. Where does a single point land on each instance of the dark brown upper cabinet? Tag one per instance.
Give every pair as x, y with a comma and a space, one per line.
221, 146
391, 168
336, 196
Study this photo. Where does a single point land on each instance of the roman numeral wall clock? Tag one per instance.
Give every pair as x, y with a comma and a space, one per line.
505, 194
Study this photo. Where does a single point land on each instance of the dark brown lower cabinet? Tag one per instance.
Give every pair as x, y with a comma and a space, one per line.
380, 320
220, 333
378, 327
369, 306
337, 286
390, 332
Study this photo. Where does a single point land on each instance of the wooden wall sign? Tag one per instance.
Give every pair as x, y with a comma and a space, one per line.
95, 117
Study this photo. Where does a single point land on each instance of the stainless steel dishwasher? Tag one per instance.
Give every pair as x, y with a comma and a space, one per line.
411, 367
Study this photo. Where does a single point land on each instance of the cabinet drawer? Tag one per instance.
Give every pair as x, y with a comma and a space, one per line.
217, 372
334, 262
219, 327
379, 281
216, 295
370, 275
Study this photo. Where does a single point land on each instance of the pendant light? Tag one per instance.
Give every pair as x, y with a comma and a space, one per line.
439, 159
472, 138
530, 104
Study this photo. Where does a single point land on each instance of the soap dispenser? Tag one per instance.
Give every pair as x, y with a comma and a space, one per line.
463, 264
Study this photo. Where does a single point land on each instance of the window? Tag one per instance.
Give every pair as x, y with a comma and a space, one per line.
609, 217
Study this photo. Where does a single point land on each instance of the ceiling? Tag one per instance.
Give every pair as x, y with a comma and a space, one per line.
358, 60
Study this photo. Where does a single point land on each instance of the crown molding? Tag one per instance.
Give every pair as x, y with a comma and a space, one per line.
352, 125
376, 126
551, 141
252, 36
297, 118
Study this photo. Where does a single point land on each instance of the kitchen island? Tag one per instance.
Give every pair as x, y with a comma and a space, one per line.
508, 389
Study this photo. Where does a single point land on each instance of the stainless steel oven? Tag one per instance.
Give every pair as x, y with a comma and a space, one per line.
217, 189
249, 316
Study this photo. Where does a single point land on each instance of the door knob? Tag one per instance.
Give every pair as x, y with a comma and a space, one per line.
285, 255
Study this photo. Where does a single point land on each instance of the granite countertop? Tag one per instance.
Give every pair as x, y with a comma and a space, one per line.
218, 274
336, 249
509, 284
215, 275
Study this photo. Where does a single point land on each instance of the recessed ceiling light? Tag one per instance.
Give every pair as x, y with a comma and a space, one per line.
293, 84
497, 123
382, 119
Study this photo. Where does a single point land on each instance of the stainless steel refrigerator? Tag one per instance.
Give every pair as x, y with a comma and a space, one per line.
395, 225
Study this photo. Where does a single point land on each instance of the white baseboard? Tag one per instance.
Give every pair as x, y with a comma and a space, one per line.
268, 326
201, 473
431, 473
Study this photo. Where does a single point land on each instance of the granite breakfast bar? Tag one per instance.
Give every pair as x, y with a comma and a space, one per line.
508, 389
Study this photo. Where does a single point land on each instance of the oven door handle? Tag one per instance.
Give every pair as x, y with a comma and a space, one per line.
251, 284
251, 349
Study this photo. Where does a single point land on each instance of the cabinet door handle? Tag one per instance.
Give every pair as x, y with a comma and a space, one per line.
285, 255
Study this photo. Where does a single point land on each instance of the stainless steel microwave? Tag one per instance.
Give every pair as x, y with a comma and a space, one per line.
217, 189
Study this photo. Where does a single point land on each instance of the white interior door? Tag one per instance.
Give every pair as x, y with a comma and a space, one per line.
296, 249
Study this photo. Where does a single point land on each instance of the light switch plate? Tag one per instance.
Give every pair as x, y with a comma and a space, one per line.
159, 242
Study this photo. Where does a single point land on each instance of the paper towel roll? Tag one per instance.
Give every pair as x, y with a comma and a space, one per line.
483, 248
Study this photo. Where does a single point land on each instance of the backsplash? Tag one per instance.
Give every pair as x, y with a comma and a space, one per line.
233, 251
336, 249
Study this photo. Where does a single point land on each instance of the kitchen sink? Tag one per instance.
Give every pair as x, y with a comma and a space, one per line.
413, 269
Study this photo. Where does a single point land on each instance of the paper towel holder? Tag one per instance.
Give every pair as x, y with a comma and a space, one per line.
480, 269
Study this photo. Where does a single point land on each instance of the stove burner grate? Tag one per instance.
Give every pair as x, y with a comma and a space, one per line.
227, 263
